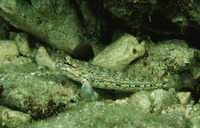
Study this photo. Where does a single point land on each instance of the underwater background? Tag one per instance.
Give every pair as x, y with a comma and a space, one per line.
103, 63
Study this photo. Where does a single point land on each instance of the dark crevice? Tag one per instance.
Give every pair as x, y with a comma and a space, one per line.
78, 12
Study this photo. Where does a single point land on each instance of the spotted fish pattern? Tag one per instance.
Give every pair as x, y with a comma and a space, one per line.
105, 78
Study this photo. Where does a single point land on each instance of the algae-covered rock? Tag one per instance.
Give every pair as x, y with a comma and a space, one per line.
168, 62
190, 112
108, 114
56, 24
35, 91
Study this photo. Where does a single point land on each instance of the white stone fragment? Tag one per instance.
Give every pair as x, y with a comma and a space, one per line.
43, 59
184, 97
142, 102
163, 99
120, 53
8, 49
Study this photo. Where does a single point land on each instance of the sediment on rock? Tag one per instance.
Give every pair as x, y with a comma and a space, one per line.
59, 26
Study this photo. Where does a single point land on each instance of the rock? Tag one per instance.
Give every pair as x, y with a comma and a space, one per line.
126, 10
181, 17
97, 48
12, 35
8, 49
58, 27
193, 114
36, 91
184, 97
167, 62
180, 120
23, 44
175, 108
13, 119
141, 101
163, 99
187, 112
176, 53
43, 59
109, 114
120, 53
195, 123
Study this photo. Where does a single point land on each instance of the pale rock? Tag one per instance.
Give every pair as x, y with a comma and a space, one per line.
43, 59
120, 53
184, 97
163, 99
8, 49
141, 101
